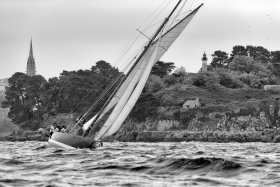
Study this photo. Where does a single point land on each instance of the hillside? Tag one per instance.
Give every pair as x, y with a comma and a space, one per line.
220, 99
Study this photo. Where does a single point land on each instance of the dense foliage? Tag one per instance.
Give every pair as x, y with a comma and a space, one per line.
231, 78
30, 98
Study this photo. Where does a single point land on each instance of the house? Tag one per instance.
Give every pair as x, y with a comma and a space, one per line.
192, 103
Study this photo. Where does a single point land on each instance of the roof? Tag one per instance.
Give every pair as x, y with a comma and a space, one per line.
204, 57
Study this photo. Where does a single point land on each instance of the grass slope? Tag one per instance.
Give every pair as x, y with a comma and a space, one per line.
220, 99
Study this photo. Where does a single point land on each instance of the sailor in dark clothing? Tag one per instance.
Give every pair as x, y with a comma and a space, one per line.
56, 129
53, 129
63, 129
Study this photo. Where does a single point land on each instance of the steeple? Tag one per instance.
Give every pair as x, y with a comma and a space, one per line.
31, 68
31, 50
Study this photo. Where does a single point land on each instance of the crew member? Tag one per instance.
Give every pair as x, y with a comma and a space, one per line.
56, 129
63, 129
52, 130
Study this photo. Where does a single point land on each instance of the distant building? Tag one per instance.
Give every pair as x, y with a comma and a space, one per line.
3, 83
192, 103
31, 68
4, 113
204, 63
272, 87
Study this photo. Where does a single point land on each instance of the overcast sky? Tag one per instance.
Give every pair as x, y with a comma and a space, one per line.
74, 34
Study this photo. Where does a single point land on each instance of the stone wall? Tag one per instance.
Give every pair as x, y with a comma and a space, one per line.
160, 126
222, 121
272, 87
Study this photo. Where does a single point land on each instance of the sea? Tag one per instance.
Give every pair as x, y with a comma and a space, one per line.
35, 164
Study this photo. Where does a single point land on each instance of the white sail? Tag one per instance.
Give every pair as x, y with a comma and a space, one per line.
126, 94
119, 94
167, 40
135, 95
88, 123
114, 100
172, 34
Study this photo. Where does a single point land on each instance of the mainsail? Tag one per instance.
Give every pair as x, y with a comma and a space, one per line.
128, 92
127, 89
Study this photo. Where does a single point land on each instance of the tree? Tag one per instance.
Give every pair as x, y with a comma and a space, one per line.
16, 98
169, 80
258, 53
51, 95
76, 91
180, 72
23, 98
207, 80
154, 84
146, 106
219, 59
227, 79
34, 91
162, 69
104, 68
72, 91
199, 80
253, 73
243, 64
238, 50
275, 61
212, 81
275, 57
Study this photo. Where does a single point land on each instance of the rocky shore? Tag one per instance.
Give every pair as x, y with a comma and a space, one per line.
255, 124
268, 135
39, 135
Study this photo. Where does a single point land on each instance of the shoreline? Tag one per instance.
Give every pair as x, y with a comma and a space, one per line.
266, 136
269, 135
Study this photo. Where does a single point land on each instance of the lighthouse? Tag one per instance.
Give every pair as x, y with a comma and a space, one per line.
204, 63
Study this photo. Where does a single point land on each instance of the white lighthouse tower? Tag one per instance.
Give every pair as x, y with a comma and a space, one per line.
204, 63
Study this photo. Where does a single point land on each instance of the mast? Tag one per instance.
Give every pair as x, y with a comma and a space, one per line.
135, 63
113, 123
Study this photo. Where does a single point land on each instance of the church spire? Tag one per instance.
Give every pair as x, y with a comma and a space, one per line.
31, 49
31, 68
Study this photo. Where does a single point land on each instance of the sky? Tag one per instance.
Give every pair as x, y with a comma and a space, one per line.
75, 34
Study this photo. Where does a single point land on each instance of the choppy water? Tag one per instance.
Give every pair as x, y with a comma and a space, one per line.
141, 164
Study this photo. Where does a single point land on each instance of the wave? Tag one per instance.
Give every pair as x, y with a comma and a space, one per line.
12, 162
173, 165
41, 147
186, 164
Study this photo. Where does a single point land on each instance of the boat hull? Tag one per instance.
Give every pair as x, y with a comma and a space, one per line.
69, 141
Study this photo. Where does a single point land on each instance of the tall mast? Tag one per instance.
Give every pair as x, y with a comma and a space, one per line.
135, 63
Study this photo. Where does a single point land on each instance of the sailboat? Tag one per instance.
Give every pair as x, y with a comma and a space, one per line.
128, 88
